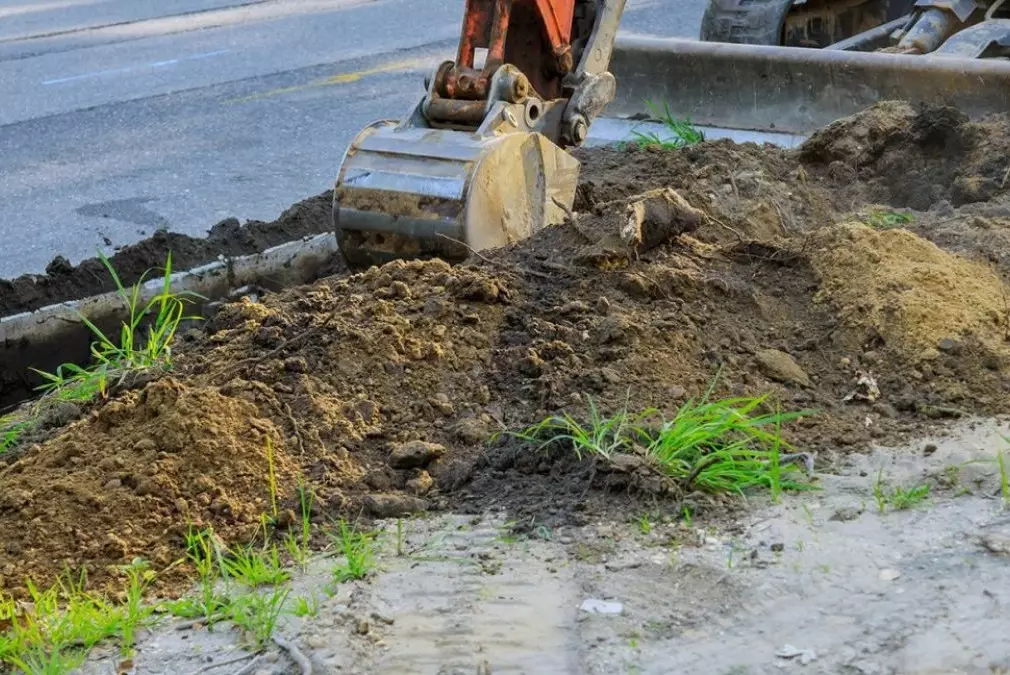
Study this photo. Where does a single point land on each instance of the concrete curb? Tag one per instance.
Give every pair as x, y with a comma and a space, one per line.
53, 335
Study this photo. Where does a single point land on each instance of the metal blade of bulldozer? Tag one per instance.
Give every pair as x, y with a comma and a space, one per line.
782, 94
410, 192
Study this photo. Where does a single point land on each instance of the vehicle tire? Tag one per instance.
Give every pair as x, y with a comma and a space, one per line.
748, 22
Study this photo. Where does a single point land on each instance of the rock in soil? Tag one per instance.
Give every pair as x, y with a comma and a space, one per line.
415, 454
781, 367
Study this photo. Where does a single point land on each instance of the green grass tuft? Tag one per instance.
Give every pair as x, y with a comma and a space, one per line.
254, 567
136, 349
1004, 478
357, 548
682, 132
298, 545
304, 606
258, 613
899, 499
722, 446
882, 219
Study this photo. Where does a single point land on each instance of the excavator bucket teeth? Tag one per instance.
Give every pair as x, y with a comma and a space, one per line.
415, 192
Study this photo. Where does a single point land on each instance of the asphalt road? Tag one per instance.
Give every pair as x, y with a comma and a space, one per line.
119, 117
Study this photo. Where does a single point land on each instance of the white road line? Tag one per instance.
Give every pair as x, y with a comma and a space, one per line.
130, 69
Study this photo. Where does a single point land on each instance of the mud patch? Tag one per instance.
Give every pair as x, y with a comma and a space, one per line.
385, 389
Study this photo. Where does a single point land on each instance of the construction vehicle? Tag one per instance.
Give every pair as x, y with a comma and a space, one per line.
481, 160
951, 28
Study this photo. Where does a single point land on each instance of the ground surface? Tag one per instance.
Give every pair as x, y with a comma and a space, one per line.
120, 117
821, 584
861, 277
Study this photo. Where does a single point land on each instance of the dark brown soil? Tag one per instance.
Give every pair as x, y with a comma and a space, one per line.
350, 376
63, 281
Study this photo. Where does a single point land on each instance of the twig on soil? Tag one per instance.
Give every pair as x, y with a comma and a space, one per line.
294, 425
782, 217
732, 229
301, 337
466, 246
202, 621
655, 283
296, 654
568, 212
231, 662
1005, 176
249, 667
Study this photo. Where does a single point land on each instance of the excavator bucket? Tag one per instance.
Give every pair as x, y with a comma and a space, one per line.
480, 162
782, 94
408, 192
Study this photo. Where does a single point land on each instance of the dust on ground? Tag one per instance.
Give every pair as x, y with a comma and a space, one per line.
822, 583
63, 281
385, 389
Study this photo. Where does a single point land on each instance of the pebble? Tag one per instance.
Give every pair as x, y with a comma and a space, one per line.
594, 606
998, 544
846, 513
414, 454
888, 574
781, 367
315, 642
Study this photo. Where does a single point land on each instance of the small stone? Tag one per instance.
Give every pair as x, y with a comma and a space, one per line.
781, 367
296, 364
676, 393
594, 606
573, 307
398, 289
888, 574
113, 484
790, 652
610, 375
778, 547
947, 346
144, 445
996, 543
846, 513
393, 506
929, 449
389, 621
472, 431
442, 403
421, 484
531, 365
362, 627
602, 305
415, 454
316, 641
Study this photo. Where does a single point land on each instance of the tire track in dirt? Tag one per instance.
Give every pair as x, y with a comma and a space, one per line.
515, 612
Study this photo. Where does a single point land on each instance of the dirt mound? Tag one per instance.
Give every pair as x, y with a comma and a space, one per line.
132, 477
383, 388
896, 287
63, 281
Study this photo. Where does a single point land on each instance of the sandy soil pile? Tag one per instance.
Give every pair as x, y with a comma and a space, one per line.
382, 389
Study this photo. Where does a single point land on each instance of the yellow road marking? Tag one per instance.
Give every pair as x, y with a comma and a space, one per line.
341, 78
